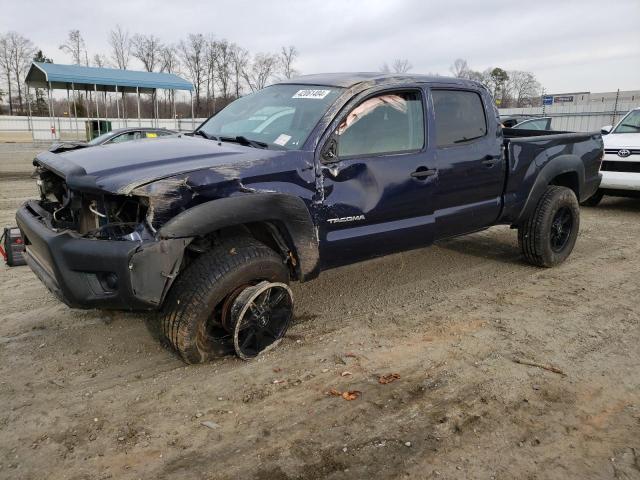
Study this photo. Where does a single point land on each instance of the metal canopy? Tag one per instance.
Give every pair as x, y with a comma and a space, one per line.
56, 76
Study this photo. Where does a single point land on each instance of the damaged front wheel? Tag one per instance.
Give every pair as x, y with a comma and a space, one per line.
210, 307
260, 316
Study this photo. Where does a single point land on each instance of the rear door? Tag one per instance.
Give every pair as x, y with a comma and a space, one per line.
469, 160
377, 190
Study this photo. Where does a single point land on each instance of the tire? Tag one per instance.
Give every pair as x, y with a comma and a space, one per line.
541, 241
190, 318
594, 199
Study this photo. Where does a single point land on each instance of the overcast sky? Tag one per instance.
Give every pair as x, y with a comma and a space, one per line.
569, 45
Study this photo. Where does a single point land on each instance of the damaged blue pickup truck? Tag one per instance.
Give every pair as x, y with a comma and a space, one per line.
308, 174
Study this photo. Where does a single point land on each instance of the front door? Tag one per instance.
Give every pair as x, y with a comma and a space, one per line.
377, 184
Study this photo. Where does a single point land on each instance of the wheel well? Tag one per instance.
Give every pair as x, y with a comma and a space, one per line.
272, 234
569, 180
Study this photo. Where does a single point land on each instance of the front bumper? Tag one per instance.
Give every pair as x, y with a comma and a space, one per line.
89, 273
620, 180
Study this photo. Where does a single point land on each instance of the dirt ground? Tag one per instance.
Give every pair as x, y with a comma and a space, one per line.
92, 394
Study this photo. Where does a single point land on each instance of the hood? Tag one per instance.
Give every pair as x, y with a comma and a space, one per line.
630, 141
119, 168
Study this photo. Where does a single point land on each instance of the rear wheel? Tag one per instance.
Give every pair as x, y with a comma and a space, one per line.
197, 318
548, 236
594, 199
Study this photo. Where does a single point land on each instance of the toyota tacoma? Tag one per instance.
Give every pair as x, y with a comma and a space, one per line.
305, 175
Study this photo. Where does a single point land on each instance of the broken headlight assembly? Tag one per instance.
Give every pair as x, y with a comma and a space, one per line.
164, 199
115, 217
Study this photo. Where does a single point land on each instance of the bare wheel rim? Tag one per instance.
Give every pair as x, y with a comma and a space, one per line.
261, 315
561, 227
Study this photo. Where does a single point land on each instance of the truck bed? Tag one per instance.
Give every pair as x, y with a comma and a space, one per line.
528, 152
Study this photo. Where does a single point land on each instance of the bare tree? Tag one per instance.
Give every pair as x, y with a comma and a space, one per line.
5, 64
211, 52
193, 53
169, 63
224, 67
522, 87
146, 48
22, 51
240, 59
120, 47
120, 44
75, 47
288, 56
99, 60
460, 68
401, 65
258, 73
479, 77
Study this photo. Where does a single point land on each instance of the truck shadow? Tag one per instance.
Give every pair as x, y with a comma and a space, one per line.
620, 204
486, 245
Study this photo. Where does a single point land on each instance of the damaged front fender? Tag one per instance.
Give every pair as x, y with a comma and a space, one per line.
286, 211
154, 266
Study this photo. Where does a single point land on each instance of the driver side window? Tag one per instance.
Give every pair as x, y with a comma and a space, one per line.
392, 122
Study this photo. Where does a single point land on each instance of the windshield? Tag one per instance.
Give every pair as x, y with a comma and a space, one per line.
630, 123
280, 116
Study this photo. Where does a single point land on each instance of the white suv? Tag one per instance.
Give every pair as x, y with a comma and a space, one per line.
621, 164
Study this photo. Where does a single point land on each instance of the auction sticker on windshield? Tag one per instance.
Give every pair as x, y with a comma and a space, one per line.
311, 93
282, 140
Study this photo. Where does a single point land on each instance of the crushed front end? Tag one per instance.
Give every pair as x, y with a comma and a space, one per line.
96, 249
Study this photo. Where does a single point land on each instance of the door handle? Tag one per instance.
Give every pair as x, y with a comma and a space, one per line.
490, 160
423, 172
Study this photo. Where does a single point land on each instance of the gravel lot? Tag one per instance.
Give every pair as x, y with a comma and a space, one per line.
92, 394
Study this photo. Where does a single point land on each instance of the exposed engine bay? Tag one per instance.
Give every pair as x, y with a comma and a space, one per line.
97, 216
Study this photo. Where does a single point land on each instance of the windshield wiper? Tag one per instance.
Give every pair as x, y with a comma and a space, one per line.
242, 140
202, 134
207, 136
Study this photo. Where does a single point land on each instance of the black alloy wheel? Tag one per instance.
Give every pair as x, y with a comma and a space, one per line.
261, 315
561, 228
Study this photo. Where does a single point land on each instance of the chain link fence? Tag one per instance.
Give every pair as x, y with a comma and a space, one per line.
45, 129
588, 117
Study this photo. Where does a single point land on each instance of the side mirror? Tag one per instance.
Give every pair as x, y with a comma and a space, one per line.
330, 151
606, 129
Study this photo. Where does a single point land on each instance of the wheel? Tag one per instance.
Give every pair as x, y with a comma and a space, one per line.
594, 199
261, 315
547, 237
196, 316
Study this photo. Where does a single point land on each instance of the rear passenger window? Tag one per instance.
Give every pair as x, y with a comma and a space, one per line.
391, 122
459, 116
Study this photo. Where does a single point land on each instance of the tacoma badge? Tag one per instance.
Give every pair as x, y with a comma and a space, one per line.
346, 219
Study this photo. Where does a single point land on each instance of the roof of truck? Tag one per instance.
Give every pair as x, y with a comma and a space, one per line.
347, 80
